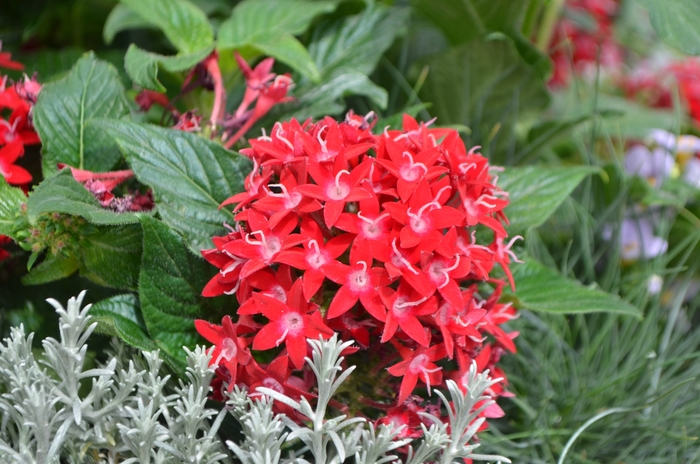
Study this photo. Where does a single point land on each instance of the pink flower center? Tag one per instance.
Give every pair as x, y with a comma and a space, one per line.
268, 247
370, 227
338, 190
228, 349
411, 171
273, 384
293, 323
316, 258
418, 364
359, 280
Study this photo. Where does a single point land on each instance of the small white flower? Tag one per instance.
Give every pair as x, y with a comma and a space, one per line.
654, 284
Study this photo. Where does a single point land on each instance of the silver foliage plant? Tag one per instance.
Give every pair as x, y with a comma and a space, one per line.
131, 415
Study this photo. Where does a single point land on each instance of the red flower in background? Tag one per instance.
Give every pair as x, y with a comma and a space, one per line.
414, 285
13, 174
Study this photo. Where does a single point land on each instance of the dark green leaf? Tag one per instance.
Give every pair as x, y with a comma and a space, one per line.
170, 287
120, 316
483, 17
121, 18
65, 108
676, 21
190, 176
185, 25
142, 66
483, 85
52, 268
535, 192
60, 193
539, 288
111, 257
346, 51
11, 199
47, 64
358, 42
326, 98
269, 26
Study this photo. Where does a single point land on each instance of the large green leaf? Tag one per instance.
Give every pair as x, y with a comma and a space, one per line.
676, 21
170, 287
65, 108
346, 51
484, 85
326, 98
111, 257
535, 192
120, 316
60, 193
185, 25
142, 66
539, 288
120, 18
11, 200
270, 26
483, 17
190, 176
358, 42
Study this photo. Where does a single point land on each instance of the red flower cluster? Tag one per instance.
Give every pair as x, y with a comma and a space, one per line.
654, 87
264, 90
16, 129
373, 237
575, 48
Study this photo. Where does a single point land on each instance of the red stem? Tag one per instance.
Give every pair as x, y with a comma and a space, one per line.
219, 91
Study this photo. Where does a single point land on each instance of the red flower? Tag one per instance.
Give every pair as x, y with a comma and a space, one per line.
6, 61
418, 364
316, 256
229, 350
292, 323
404, 306
359, 281
336, 187
270, 241
13, 174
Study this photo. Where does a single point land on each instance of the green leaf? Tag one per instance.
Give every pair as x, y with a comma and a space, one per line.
51, 269
47, 64
358, 42
346, 51
535, 192
676, 21
185, 25
484, 17
270, 26
111, 257
326, 98
170, 286
11, 200
60, 193
539, 288
120, 18
483, 85
120, 316
142, 66
190, 176
65, 108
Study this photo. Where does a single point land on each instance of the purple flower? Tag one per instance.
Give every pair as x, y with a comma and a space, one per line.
638, 240
655, 166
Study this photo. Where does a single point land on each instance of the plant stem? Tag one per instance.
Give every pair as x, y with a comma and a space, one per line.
212, 64
549, 21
